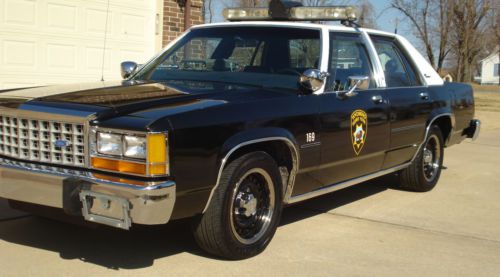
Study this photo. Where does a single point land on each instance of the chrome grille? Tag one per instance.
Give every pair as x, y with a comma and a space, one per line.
34, 140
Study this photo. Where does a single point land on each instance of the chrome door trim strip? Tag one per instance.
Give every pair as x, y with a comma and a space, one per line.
291, 181
345, 184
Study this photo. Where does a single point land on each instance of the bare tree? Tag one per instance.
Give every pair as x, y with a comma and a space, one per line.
431, 20
470, 29
367, 15
208, 10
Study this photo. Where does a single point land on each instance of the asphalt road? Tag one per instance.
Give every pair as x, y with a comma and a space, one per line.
369, 229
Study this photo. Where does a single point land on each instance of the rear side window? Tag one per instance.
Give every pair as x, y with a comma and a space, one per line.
397, 68
348, 57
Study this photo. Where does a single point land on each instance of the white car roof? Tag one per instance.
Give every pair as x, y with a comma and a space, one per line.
294, 24
429, 74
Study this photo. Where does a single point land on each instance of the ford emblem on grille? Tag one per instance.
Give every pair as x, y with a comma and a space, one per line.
61, 143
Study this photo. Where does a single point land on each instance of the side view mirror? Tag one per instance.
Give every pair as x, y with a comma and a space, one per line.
312, 80
356, 83
127, 69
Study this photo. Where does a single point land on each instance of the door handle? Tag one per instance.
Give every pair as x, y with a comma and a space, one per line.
424, 96
377, 99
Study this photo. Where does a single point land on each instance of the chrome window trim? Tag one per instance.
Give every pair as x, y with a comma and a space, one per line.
291, 181
92, 137
378, 72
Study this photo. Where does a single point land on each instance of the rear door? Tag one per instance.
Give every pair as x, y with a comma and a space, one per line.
354, 130
410, 103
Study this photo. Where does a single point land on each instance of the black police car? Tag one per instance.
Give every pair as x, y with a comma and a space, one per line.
232, 122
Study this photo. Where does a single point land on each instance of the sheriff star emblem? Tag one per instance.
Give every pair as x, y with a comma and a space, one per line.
359, 130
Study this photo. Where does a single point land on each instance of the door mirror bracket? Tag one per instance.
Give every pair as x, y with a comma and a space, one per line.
355, 83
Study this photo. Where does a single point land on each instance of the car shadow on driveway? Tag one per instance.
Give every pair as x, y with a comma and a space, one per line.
331, 201
140, 247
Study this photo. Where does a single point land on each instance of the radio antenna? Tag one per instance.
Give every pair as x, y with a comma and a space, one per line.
105, 40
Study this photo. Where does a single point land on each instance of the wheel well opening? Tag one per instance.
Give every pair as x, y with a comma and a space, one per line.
444, 123
278, 150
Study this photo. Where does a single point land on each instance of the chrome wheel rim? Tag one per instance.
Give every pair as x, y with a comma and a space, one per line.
431, 158
252, 206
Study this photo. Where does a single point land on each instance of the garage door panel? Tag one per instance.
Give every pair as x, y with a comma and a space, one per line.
61, 17
133, 26
18, 53
60, 41
93, 59
96, 21
19, 12
61, 57
132, 55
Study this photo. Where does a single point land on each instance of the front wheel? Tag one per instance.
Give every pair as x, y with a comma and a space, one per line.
245, 210
424, 172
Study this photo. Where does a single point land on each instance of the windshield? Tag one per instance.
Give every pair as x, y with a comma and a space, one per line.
262, 56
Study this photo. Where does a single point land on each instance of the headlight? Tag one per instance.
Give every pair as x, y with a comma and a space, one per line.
135, 147
144, 154
109, 144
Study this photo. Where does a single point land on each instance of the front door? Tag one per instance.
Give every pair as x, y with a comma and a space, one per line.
354, 130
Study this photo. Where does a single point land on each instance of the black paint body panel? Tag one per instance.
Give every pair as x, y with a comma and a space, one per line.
205, 124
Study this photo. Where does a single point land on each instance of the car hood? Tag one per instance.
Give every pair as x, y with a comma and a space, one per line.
106, 100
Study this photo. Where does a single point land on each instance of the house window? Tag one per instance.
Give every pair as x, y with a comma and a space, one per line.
495, 70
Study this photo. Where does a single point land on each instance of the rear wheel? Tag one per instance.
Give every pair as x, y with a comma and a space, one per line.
424, 172
245, 209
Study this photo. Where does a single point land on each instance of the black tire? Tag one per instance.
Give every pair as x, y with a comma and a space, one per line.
219, 230
422, 175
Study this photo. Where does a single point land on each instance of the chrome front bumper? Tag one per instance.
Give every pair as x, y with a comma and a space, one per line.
102, 199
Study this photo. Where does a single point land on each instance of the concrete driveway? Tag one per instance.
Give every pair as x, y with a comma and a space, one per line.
369, 229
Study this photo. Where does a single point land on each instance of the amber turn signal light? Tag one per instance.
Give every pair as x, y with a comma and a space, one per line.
119, 166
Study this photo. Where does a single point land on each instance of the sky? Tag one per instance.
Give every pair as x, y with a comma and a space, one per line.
386, 17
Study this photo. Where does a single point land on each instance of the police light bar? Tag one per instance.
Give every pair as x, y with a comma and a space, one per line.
324, 13
233, 14
292, 11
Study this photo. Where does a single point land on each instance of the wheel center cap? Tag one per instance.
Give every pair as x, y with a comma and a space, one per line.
427, 156
250, 205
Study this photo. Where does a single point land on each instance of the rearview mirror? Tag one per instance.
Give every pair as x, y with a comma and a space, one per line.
127, 69
312, 80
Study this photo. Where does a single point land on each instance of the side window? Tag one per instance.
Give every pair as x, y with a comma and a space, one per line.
348, 57
304, 54
397, 68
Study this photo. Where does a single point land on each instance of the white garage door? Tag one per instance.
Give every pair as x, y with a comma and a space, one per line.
61, 41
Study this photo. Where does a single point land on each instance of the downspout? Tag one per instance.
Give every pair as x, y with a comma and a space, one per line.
187, 14
187, 24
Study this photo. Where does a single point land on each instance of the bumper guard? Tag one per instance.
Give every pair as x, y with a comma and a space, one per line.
102, 199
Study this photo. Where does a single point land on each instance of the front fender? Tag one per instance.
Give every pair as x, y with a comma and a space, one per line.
252, 136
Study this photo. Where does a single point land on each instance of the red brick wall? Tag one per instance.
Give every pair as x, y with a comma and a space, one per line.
173, 18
